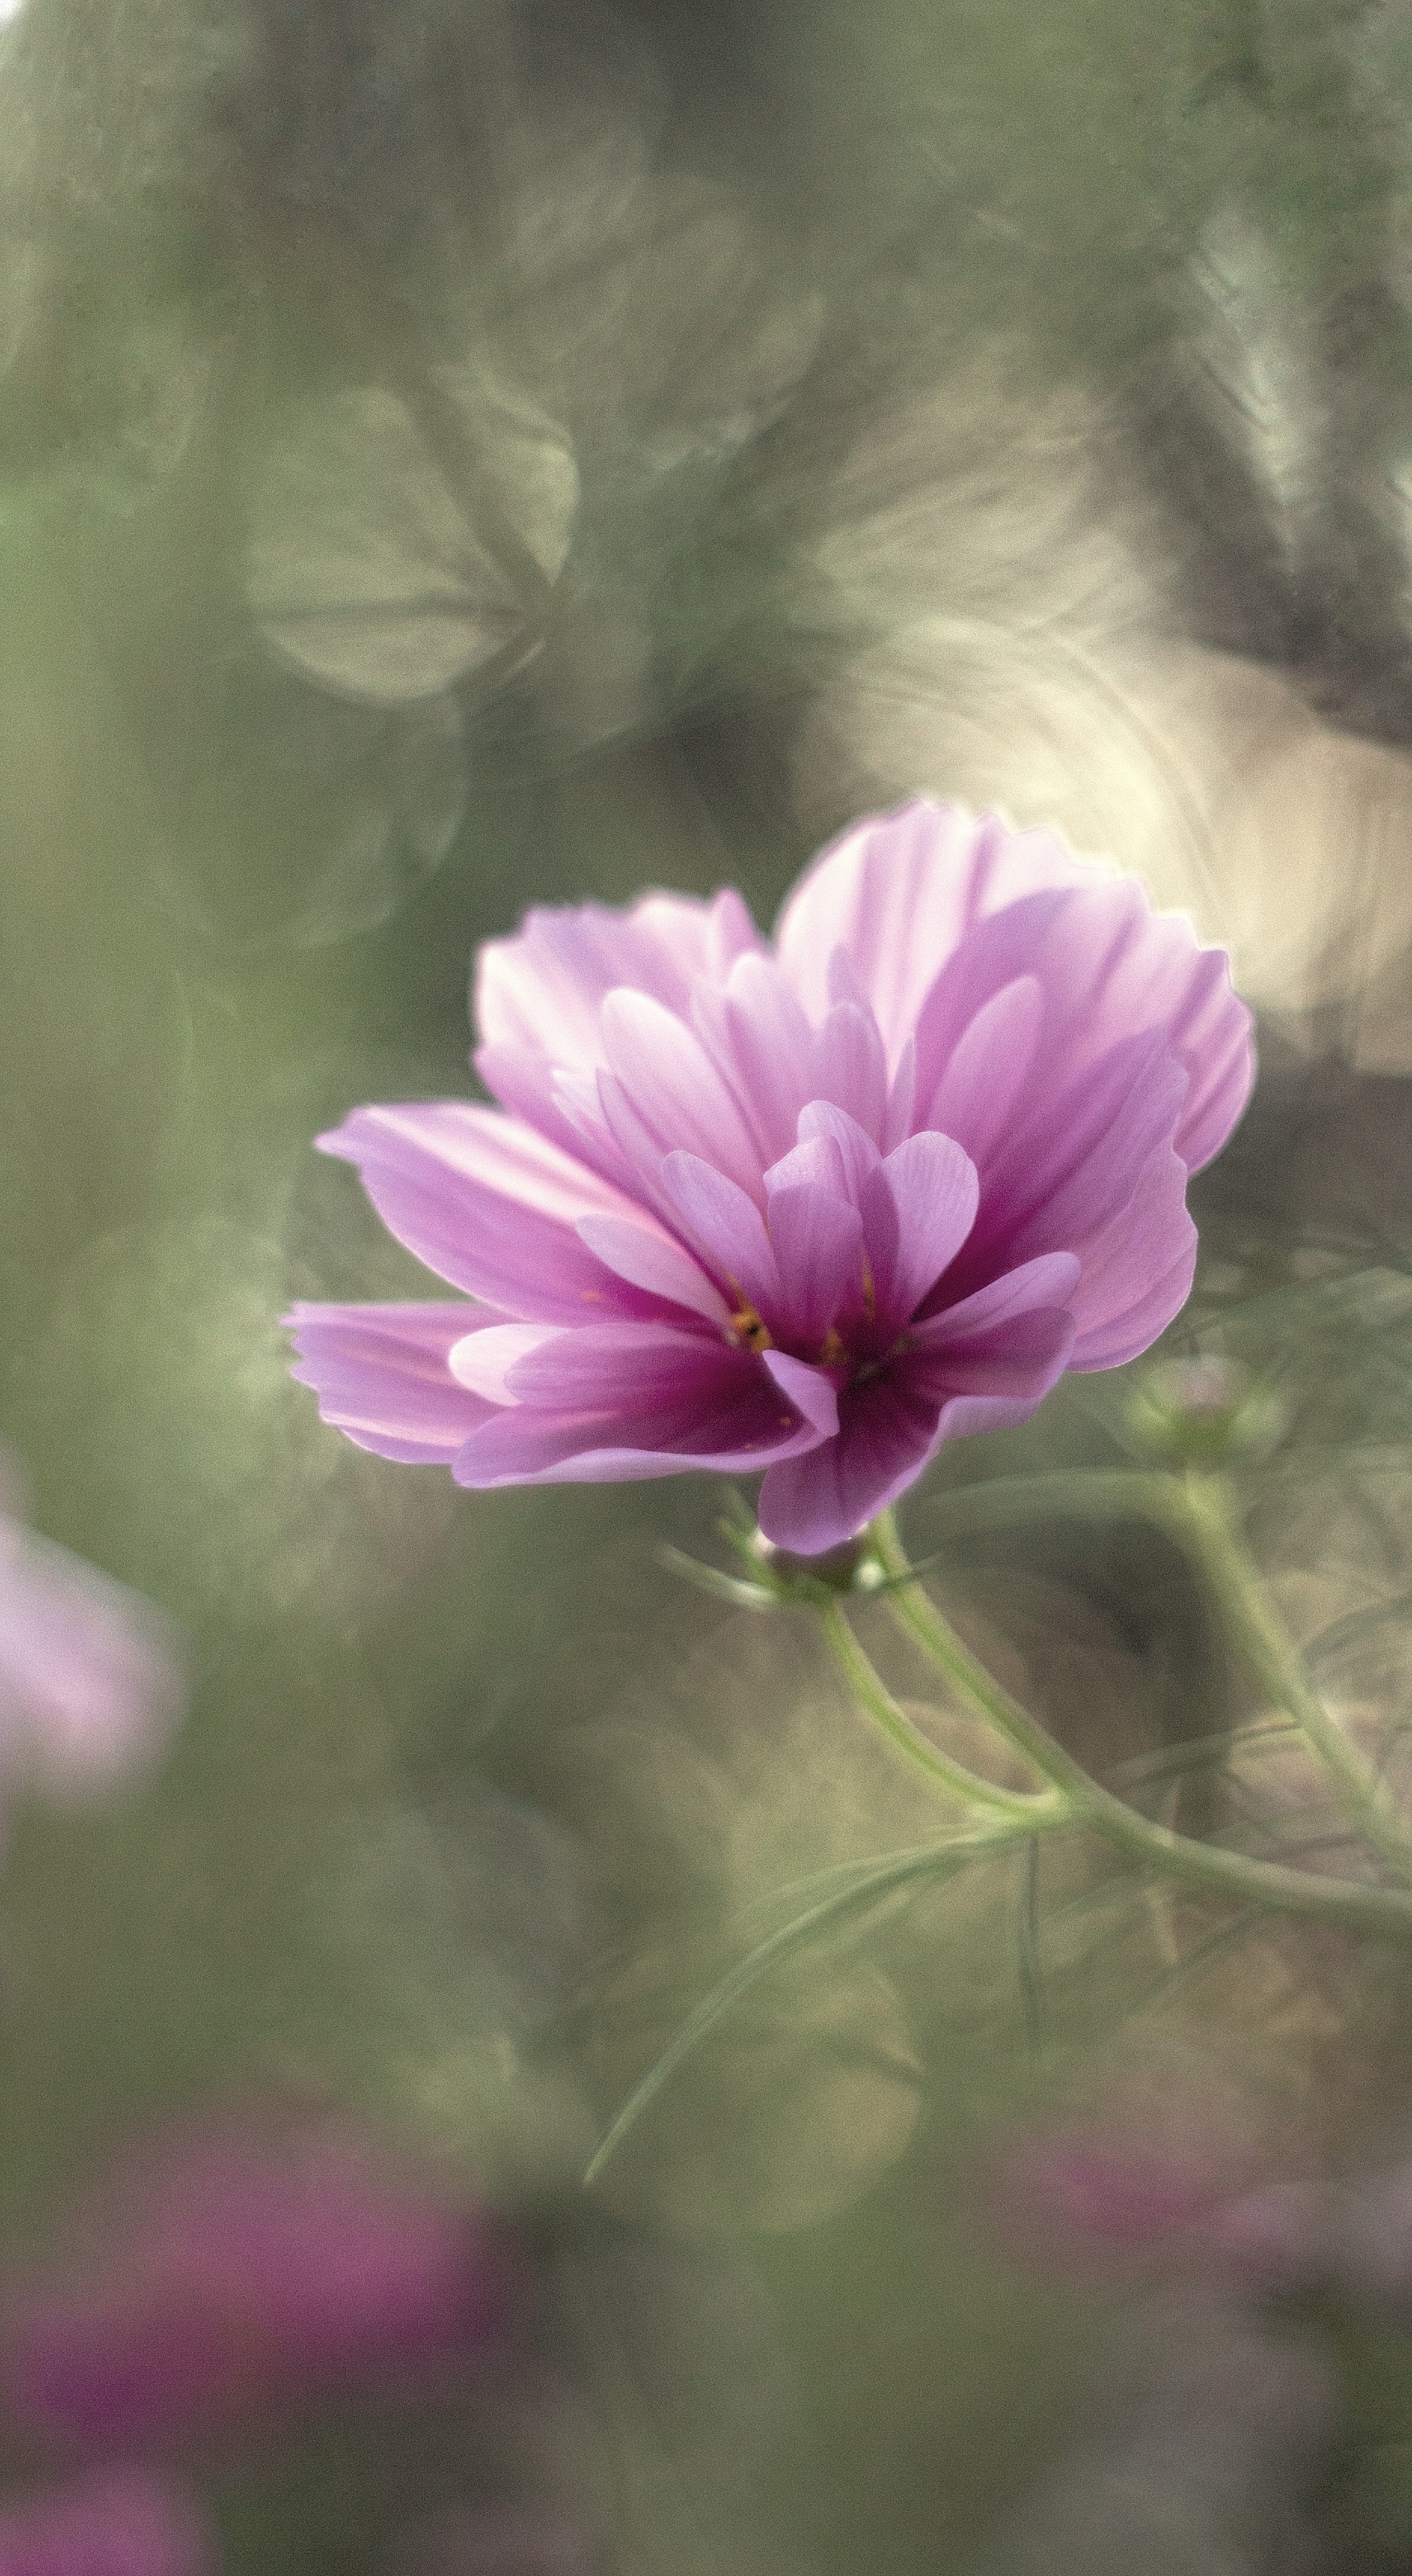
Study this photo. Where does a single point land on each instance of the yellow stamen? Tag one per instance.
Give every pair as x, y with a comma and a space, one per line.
748, 1329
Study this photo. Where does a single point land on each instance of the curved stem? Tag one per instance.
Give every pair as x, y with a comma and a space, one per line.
1274, 1661
1196, 1511
869, 1688
1383, 1910
939, 1642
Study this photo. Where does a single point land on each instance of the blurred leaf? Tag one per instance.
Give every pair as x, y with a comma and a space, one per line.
397, 547
840, 1897
809, 2094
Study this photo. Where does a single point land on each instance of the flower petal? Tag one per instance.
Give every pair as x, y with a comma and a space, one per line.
489, 1204
824, 1496
624, 1403
816, 1164
543, 989
1049, 1280
847, 1066
818, 1243
1137, 1273
898, 893
988, 1067
918, 1208
820, 1122
759, 1039
531, 1088
1109, 968
92, 1677
382, 1375
1017, 1356
655, 1262
482, 1361
808, 1390
668, 1079
1064, 1174
727, 1225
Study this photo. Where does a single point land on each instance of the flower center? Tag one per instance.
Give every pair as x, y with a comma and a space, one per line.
748, 1329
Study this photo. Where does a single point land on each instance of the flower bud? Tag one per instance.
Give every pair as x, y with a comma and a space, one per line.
1204, 1412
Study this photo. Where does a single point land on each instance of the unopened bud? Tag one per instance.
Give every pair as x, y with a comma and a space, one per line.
1206, 1412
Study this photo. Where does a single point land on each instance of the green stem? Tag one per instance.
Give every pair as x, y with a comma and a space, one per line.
869, 1688
1197, 1512
918, 1613
1081, 1800
1274, 1662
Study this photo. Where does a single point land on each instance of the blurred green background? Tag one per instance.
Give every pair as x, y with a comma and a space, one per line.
460, 457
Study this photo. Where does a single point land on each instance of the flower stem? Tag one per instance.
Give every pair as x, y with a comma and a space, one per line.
1078, 1799
1274, 1662
872, 1693
918, 1613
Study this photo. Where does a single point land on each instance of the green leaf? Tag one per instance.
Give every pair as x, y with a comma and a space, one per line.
722, 1587
852, 1887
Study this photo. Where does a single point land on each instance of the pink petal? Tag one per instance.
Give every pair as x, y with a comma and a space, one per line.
543, 989
670, 1082
1110, 968
527, 1084
816, 1501
847, 1066
988, 1067
488, 1204
918, 1209
819, 1163
613, 1404
727, 1225
653, 1261
759, 1039
1049, 1280
818, 1243
382, 1375
902, 1101
1071, 1165
92, 1677
898, 892
1137, 1273
808, 1390
1018, 1357
821, 1123
116, 2522
482, 1361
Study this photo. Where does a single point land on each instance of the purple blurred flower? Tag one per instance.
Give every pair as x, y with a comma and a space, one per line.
812, 1208
122, 2522
91, 1676
1076, 2200
228, 2270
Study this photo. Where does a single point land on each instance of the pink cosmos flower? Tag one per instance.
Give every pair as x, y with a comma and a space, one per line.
229, 2269
91, 1676
122, 2522
812, 1208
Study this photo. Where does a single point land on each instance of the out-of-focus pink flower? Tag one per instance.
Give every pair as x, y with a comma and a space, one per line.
812, 1207
1070, 2201
227, 2272
1093, 2201
123, 2522
91, 1676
